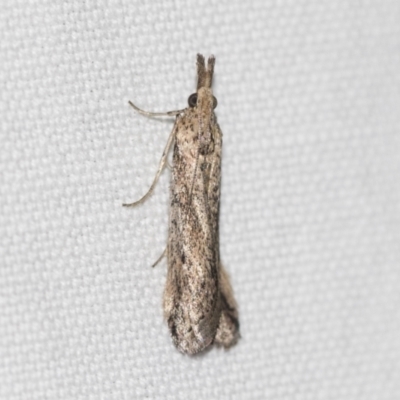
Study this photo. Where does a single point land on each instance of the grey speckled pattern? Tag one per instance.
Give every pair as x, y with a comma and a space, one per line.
309, 104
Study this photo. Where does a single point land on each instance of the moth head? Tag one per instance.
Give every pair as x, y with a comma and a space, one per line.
204, 80
192, 100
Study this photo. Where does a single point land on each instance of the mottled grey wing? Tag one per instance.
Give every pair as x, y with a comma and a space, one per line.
228, 328
191, 297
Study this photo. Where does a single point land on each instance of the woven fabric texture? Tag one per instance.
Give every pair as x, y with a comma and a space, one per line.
309, 104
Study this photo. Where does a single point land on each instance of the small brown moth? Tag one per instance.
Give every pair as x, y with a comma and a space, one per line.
198, 301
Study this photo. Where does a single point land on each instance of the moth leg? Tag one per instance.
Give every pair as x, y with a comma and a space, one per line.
156, 114
160, 258
160, 169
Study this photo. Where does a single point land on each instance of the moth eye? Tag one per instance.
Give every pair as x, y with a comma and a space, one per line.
192, 100
215, 102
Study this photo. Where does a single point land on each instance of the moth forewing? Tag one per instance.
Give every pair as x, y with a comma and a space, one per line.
198, 301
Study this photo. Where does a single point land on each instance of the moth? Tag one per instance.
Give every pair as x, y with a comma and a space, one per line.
199, 305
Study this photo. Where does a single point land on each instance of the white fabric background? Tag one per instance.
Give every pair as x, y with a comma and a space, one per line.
309, 103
